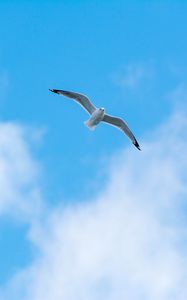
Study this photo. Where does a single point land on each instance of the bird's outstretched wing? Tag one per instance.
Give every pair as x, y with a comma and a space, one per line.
120, 124
81, 99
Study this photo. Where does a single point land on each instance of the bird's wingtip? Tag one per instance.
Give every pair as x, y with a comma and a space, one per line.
54, 91
137, 145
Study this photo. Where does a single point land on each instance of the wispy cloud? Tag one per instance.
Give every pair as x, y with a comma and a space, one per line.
133, 75
129, 242
178, 96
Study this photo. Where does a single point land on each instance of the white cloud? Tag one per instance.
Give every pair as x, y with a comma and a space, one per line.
19, 191
129, 242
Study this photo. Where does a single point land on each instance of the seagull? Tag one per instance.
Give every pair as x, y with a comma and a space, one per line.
98, 114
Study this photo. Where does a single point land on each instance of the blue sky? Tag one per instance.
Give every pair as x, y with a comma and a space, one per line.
129, 57
84, 46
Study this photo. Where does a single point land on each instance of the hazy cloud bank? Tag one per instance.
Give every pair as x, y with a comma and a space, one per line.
128, 243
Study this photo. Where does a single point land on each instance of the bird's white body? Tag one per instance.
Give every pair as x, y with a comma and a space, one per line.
96, 118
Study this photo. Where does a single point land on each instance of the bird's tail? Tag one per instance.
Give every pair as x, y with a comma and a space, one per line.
89, 124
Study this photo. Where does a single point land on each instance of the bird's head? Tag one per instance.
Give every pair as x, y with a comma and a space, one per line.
102, 109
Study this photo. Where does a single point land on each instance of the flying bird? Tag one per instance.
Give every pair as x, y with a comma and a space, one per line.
98, 114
